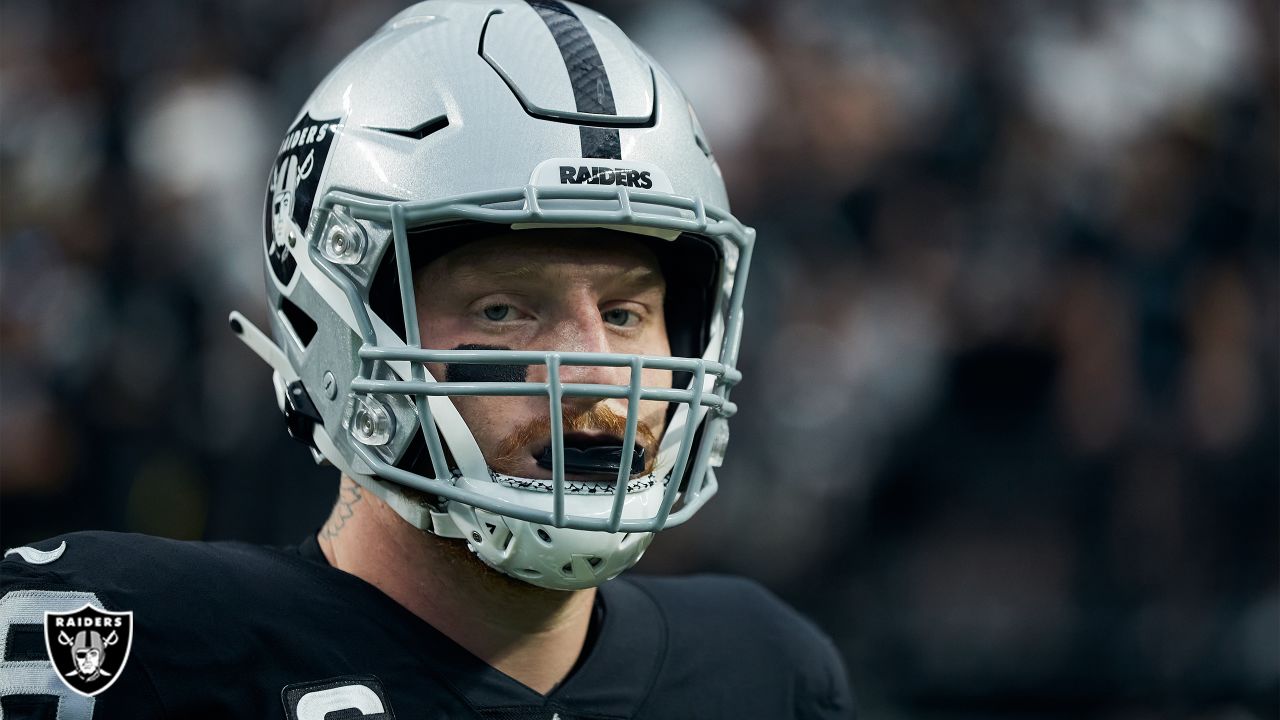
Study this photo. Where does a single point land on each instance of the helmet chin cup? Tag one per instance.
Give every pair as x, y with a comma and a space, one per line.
555, 558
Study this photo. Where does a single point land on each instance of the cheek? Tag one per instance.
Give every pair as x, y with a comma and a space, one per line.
480, 415
654, 412
655, 378
439, 332
492, 419
656, 341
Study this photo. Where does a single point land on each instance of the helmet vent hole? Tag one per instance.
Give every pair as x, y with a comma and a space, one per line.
544, 536
594, 561
506, 541
491, 528
567, 569
701, 142
417, 133
302, 326
529, 573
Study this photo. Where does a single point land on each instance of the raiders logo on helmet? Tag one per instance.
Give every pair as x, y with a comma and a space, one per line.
291, 190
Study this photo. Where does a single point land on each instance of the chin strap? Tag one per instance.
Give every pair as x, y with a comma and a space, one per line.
262, 346
301, 415
436, 522
442, 524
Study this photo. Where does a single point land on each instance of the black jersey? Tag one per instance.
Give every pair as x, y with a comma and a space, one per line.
231, 630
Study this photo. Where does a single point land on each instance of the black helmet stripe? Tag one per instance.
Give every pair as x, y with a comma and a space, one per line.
591, 90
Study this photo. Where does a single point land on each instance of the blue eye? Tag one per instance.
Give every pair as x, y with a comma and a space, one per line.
620, 317
497, 313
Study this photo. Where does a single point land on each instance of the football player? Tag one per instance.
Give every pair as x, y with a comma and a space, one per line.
505, 303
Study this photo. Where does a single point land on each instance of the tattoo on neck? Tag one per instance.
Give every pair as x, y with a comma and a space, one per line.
348, 496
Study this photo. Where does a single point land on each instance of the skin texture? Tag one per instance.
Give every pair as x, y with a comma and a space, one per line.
568, 293
530, 290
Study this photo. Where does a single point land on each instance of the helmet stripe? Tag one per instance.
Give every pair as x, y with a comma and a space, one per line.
591, 90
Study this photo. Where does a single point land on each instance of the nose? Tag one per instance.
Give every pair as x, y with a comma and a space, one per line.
580, 328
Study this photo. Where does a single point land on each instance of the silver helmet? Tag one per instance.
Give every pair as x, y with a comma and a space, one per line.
508, 115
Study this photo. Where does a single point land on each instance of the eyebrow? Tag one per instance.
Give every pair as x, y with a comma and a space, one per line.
636, 276
523, 271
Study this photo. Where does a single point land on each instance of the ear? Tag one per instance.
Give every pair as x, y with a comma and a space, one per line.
63, 639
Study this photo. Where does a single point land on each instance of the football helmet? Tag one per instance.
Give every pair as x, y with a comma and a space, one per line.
454, 118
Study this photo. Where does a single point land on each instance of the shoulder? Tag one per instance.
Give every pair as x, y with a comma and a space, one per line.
128, 571
201, 614
95, 556
738, 624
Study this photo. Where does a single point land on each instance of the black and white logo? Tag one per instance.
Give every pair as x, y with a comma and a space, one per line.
291, 190
596, 175
590, 171
88, 647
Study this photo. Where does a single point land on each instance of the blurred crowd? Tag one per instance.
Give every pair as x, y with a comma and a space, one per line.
1009, 429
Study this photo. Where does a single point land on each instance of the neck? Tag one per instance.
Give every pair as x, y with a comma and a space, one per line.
531, 634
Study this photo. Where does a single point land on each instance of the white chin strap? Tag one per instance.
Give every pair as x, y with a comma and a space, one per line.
262, 346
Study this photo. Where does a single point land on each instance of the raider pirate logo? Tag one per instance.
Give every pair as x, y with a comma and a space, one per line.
88, 647
291, 190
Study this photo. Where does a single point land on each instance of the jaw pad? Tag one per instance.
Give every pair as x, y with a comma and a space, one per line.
599, 459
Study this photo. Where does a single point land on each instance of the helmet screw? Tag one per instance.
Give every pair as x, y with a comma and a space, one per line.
372, 422
343, 244
476, 536
330, 385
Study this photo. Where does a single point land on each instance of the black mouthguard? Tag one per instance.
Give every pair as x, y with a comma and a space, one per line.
473, 372
598, 459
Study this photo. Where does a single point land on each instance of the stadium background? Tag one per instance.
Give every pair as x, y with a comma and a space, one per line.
1009, 426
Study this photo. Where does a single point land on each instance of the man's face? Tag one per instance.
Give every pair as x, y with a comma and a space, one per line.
573, 291
87, 660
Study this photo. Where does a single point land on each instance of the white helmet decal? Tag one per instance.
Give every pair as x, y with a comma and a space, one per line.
291, 188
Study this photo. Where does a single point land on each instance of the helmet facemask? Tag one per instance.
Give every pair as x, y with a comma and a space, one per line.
393, 383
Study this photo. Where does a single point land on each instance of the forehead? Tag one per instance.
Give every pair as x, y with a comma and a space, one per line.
536, 253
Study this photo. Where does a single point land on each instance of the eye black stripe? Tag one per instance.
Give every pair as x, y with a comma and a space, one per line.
591, 90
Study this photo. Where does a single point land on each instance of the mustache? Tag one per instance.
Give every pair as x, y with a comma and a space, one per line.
598, 418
